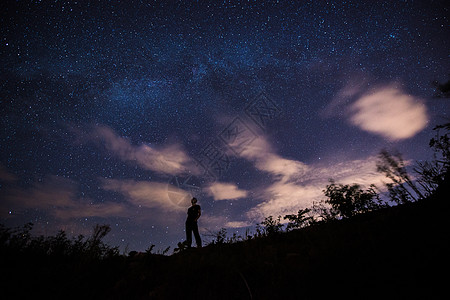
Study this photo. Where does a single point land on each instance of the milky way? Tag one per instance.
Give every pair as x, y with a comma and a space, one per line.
118, 112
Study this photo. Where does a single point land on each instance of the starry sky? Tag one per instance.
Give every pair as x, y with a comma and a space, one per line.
118, 112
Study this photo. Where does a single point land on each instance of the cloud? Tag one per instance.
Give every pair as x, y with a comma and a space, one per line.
338, 104
283, 168
85, 209
57, 196
237, 224
386, 110
296, 185
284, 193
170, 159
225, 191
147, 194
390, 113
285, 197
261, 153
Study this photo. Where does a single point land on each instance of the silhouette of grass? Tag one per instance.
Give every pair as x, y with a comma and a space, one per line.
392, 252
373, 251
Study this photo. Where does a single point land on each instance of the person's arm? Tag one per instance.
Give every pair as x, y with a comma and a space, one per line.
199, 214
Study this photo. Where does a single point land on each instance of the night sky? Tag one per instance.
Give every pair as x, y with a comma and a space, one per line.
118, 112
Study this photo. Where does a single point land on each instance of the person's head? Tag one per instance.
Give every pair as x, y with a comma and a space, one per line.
194, 201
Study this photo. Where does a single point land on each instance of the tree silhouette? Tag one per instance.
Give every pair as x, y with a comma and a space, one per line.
219, 237
19, 240
349, 200
433, 174
271, 226
324, 212
401, 188
440, 143
301, 219
442, 90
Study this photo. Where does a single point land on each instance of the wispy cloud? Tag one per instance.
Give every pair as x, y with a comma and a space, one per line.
262, 154
170, 159
237, 224
385, 110
85, 209
225, 191
57, 196
286, 197
283, 198
146, 194
296, 185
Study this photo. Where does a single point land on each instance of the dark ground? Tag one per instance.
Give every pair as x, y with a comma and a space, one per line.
394, 253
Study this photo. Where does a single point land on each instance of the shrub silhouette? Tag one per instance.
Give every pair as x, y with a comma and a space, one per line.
402, 244
271, 226
19, 240
431, 176
219, 237
96, 248
401, 188
441, 146
349, 200
301, 219
181, 246
442, 90
324, 212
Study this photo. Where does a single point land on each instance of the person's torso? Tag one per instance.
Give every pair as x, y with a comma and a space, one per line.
193, 212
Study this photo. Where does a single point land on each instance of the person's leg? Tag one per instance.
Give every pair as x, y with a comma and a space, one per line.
188, 235
198, 240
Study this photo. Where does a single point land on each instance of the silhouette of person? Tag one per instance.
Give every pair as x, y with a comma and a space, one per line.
194, 212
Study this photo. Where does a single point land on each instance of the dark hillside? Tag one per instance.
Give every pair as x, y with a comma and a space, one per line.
397, 252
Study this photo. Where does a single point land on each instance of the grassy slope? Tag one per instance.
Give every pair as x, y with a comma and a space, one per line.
398, 252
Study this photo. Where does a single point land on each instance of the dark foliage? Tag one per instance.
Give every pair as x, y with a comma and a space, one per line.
350, 200
19, 240
400, 186
431, 175
324, 212
442, 89
219, 237
394, 252
270, 226
440, 144
55, 265
350, 245
300, 220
